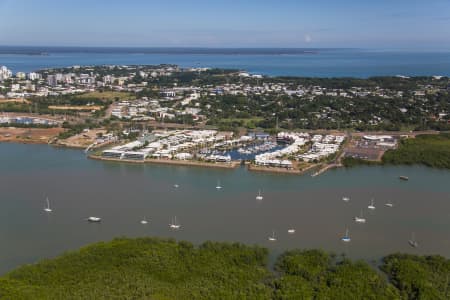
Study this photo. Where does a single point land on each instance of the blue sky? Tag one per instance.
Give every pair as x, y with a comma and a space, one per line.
423, 24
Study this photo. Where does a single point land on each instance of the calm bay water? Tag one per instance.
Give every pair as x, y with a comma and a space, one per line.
320, 63
123, 194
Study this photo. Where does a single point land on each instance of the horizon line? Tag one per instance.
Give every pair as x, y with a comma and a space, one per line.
406, 49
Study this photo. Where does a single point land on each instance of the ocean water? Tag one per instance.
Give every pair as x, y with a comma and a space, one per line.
123, 194
360, 63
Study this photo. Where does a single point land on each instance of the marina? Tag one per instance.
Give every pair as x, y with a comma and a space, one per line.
304, 212
285, 152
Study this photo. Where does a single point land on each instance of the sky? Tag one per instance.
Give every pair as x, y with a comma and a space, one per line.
393, 24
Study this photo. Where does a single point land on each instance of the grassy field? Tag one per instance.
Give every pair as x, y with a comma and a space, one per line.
240, 122
151, 268
110, 95
428, 149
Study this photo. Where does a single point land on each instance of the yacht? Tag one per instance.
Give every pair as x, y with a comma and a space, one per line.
144, 221
372, 205
94, 219
360, 219
175, 185
259, 197
389, 204
291, 231
345, 199
272, 238
346, 237
174, 225
47, 208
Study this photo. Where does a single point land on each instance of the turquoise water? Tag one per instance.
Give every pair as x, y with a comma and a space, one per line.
123, 194
320, 63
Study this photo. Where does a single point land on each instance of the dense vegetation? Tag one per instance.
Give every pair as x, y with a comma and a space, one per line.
417, 277
370, 112
349, 162
145, 269
429, 150
150, 268
314, 274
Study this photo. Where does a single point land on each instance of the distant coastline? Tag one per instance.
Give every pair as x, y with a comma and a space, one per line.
22, 51
37, 50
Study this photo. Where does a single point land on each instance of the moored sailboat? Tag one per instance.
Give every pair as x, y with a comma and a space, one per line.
174, 224
346, 237
360, 219
272, 238
259, 196
47, 208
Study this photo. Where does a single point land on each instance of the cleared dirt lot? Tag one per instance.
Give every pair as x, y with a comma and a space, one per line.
28, 135
82, 140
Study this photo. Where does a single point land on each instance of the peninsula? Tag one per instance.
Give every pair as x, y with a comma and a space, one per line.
223, 118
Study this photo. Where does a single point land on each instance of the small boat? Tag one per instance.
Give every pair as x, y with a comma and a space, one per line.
291, 231
372, 204
360, 219
259, 197
175, 185
94, 219
412, 242
47, 208
345, 199
144, 221
218, 186
272, 238
174, 225
346, 237
389, 204
406, 178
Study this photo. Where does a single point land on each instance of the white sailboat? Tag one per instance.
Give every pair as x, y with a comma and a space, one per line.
272, 238
345, 199
218, 186
259, 196
412, 242
372, 205
346, 237
47, 208
291, 231
360, 219
94, 219
174, 225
